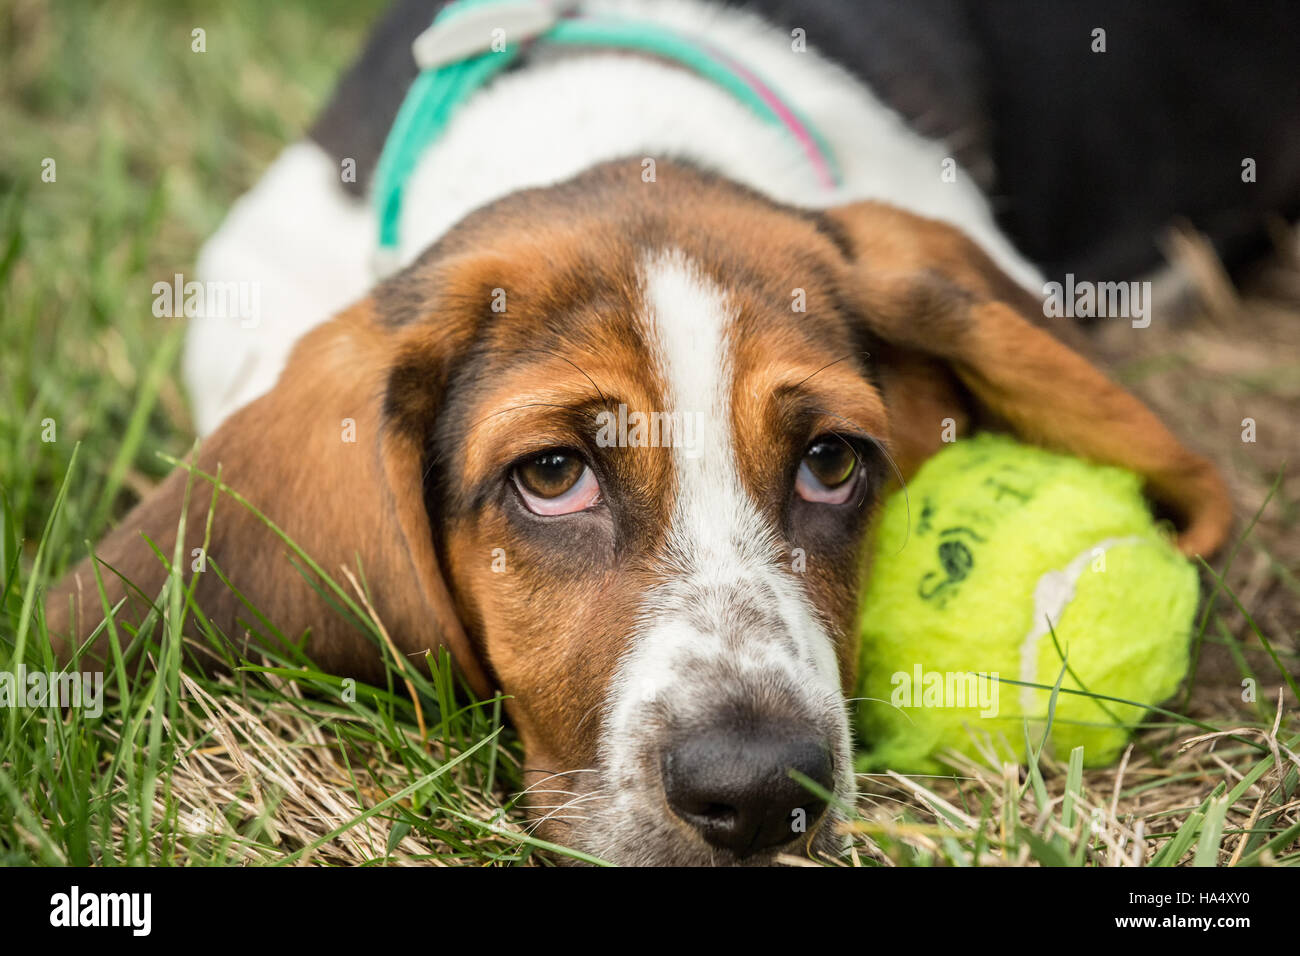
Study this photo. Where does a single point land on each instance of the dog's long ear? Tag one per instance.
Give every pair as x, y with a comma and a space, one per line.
954, 327
322, 456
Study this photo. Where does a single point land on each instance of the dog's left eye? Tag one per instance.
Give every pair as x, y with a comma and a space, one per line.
827, 472
556, 483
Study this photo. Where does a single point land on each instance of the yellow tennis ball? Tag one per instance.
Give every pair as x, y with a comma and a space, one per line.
992, 540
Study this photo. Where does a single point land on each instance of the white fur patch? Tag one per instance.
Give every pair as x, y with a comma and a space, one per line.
722, 559
554, 119
307, 245
310, 245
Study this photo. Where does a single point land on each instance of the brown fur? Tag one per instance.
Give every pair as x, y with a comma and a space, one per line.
925, 287
285, 454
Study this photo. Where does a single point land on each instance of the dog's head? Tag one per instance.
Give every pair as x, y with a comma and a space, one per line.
617, 444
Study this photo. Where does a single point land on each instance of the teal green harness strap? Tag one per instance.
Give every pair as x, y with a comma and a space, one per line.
423, 116
437, 93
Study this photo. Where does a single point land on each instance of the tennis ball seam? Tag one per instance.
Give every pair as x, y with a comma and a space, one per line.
1052, 595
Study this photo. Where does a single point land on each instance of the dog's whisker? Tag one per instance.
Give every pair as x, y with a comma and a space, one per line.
576, 367
560, 773
842, 358
533, 826
575, 819
568, 805
573, 793
587, 715
551, 775
579, 798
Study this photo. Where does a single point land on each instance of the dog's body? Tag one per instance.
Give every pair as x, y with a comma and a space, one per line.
541, 125
674, 625
1084, 181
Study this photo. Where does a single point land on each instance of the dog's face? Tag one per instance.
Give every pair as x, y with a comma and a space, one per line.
653, 472
626, 441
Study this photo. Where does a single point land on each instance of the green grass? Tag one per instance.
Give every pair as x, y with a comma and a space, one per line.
151, 143
277, 762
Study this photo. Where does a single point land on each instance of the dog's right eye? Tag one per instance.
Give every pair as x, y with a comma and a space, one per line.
556, 483
828, 472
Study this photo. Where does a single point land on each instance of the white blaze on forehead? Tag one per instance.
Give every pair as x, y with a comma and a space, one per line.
685, 323
715, 527
722, 553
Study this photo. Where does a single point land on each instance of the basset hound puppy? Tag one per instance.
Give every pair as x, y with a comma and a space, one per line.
636, 358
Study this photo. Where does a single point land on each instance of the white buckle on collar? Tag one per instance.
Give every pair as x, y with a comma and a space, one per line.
384, 262
471, 31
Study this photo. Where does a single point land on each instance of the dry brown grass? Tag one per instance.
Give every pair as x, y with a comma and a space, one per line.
267, 780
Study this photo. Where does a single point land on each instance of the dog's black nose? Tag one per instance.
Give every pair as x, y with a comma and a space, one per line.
735, 788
